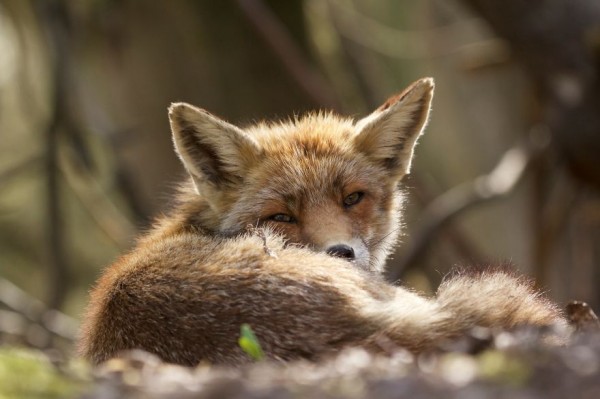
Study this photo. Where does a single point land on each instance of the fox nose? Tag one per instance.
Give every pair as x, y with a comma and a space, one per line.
341, 251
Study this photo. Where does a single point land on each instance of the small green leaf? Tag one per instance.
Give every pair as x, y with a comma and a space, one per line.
249, 343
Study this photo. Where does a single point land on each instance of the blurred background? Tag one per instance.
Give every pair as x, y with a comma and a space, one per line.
508, 171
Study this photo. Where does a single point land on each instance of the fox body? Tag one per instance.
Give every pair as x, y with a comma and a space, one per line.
286, 227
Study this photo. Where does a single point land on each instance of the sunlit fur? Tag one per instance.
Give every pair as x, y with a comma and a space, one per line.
306, 168
218, 259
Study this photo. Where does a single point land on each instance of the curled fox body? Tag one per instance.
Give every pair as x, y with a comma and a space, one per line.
322, 197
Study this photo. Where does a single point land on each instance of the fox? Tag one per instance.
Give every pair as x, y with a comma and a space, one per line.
286, 226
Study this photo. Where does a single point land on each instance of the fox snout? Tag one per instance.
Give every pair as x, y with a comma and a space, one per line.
341, 251
327, 228
352, 250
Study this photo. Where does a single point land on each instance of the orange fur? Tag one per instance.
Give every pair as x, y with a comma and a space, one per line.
322, 199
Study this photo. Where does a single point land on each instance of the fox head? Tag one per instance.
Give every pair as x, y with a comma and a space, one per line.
321, 181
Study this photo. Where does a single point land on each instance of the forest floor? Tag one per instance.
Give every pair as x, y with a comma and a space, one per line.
482, 364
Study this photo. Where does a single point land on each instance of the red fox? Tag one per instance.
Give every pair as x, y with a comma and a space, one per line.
286, 226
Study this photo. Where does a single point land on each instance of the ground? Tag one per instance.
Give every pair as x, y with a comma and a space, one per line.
483, 364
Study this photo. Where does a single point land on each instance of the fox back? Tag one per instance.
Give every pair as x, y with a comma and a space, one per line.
286, 226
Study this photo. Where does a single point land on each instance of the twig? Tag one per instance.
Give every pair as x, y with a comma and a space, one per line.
582, 316
461, 243
554, 198
108, 217
498, 183
25, 310
403, 44
52, 15
276, 36
18, 168
59, 275
260, 233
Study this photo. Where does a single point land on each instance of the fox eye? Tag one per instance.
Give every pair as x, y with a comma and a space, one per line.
282, 218
353, 199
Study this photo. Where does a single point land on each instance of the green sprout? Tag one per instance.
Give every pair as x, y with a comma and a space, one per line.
249, 343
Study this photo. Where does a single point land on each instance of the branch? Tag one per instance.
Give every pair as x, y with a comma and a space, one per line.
402, 44
499, 182
54, 19
116, 226
18, 168
277, 37
556, 42
26, 313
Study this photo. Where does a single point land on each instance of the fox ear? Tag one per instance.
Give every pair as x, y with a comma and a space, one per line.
212, 150
390, 133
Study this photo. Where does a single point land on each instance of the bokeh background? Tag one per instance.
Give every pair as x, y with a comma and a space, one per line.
508, 171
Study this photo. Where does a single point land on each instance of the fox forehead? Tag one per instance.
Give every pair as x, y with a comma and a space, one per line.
303, 162
312, 178
313, 134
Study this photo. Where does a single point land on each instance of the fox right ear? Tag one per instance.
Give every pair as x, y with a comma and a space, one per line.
389, 135
213, 151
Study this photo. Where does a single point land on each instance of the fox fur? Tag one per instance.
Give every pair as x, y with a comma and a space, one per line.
286, 226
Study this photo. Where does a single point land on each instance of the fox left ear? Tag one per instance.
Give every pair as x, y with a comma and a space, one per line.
215, 153
390, 133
